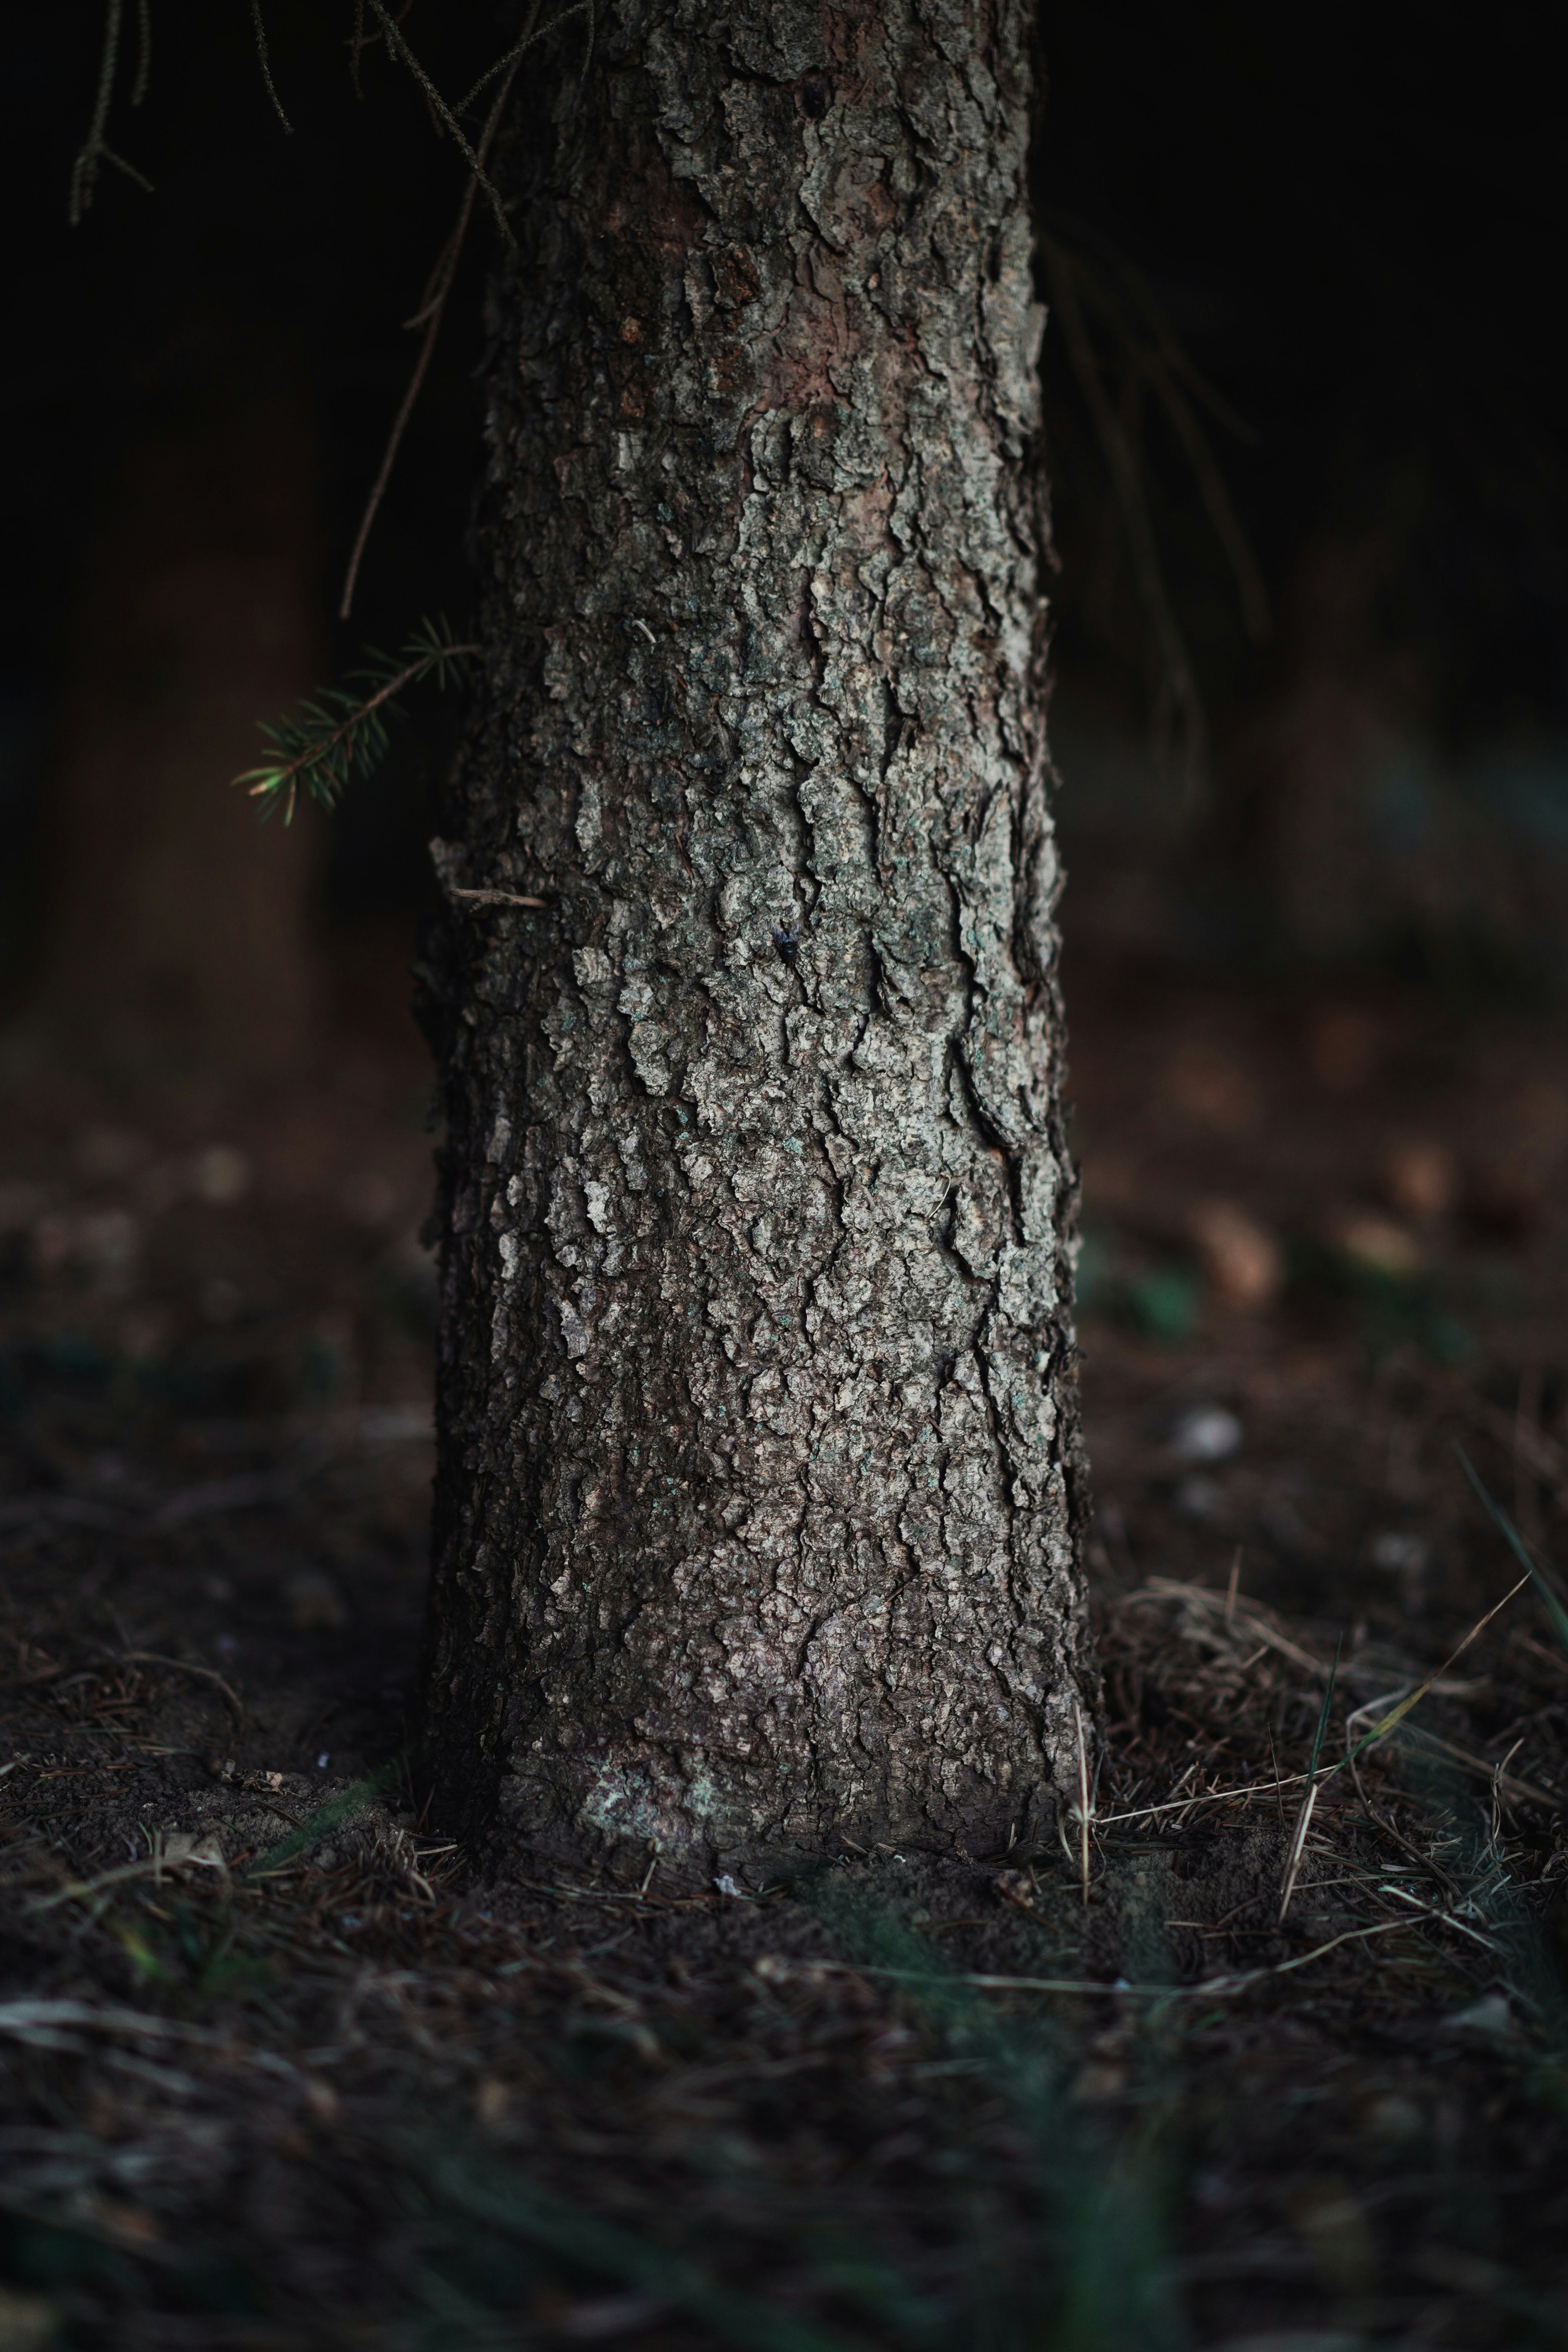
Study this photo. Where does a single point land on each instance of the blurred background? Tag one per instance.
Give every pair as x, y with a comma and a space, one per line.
1309, 464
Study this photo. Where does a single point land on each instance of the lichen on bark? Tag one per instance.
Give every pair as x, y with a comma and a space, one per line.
758, 1496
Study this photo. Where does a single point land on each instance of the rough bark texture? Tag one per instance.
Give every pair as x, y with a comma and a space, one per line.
757, 1502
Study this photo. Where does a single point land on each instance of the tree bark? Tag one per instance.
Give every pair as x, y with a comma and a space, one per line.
759, 1486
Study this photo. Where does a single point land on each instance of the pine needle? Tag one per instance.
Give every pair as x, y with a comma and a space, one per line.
342, 734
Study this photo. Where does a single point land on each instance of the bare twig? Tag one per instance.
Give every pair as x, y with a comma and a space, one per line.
399, 47
95, 148
265, 64
430, 312
143, 50
1178, 694
530, 38
494, 897
1222, 519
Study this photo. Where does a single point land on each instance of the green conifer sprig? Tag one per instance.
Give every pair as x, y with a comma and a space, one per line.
341, 733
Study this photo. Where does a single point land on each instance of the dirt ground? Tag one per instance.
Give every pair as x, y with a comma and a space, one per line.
281, 2069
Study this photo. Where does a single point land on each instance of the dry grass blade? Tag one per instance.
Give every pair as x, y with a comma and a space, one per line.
1397, 1713
1088, 1988
1234, 1796
182, 1666
80, 1890
1304, 1818
1209, 1617
1519, 1792
1083, 1801
21, 2018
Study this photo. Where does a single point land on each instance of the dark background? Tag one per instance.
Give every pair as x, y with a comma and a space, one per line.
1350, 219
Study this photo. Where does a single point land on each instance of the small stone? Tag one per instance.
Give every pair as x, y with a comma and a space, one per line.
185, 1851
492, 2103
1241, 1257
1491, 2017
1206, 1432
220, 1174
1200, 1498
1376, 1245
1394, 2119
1421, 1179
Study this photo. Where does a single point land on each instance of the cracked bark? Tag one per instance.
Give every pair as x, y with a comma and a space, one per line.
759, 1489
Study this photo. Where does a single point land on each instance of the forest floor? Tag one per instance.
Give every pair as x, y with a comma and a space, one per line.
278, 2068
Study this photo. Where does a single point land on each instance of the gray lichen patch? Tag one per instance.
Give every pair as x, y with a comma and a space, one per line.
758, 1490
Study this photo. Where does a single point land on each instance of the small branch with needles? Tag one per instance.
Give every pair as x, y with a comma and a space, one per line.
327, 742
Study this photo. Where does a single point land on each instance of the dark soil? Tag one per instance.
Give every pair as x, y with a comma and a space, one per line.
281, 2069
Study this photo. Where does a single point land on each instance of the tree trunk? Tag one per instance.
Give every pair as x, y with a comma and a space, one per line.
759, 1489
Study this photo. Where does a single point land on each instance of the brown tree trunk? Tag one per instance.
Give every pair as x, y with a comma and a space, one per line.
759, 1492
